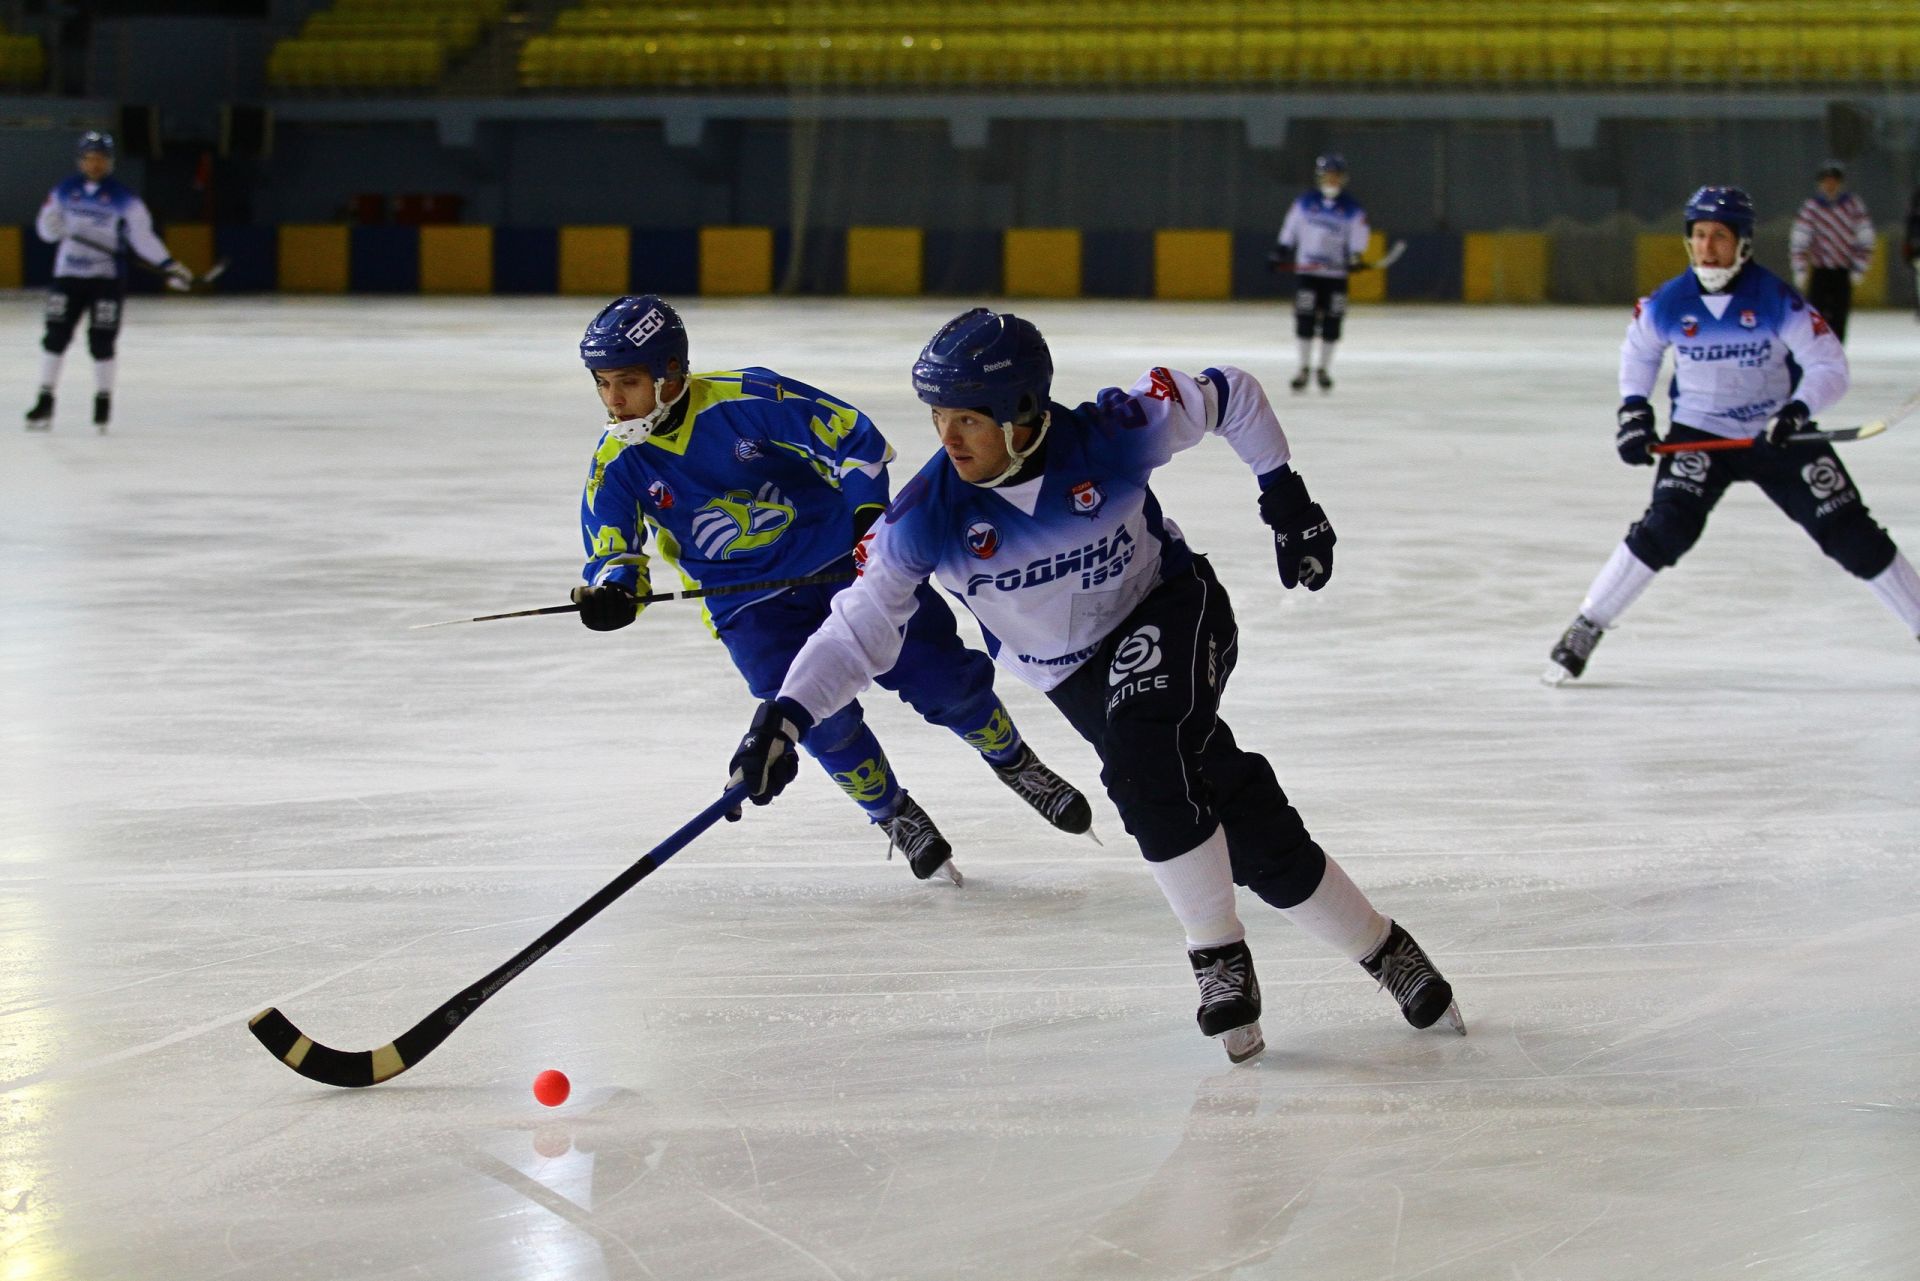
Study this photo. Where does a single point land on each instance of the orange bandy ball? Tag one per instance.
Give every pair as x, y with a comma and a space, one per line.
551, 1088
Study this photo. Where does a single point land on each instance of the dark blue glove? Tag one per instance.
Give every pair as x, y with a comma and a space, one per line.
606, 607
1635, 439
769, 757
1793, 418
1302, 536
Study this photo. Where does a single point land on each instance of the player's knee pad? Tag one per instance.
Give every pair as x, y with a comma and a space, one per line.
1283, 876
57, 338
836, 732
1330, 329
1666, 533
1857, 541
100, 342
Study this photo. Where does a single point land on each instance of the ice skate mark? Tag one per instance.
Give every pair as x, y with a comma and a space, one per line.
1587, 1227
789, 1242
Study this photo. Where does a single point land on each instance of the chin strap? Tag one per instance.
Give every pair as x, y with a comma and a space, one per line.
635, 430
1016, 457
1716, 279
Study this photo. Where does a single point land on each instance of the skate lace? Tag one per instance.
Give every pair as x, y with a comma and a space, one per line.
910, 831
1224, 980
1045, 790
1404, 971
1581, 637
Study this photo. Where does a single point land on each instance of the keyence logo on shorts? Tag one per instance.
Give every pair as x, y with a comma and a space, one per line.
1691, 466
1137, 654
1823, 478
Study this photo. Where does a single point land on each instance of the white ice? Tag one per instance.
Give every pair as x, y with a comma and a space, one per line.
1677, 898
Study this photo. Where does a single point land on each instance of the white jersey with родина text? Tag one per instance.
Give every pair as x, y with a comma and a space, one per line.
1738, 356
1322, 235
1052, 565
78, 211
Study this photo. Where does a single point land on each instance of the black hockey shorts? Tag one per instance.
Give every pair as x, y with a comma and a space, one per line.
70, 298
1808, 482
1319, 302
1830, 290
1149, 701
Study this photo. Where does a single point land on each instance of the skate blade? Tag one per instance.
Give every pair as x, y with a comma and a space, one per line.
1453, 1017
1093, 835
947, 871
1555, 675
1242, 1043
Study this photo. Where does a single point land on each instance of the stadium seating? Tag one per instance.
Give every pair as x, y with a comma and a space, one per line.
1125, 44
23, 63
380, 44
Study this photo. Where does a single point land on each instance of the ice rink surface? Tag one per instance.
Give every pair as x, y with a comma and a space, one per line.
1677, 900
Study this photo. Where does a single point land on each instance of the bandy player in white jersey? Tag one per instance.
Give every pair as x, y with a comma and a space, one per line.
1324, 234
1752, 361
1040, 519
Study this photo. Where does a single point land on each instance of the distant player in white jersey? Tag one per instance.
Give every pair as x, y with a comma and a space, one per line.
95, 220
1324, 234
1752, 361
1040, 520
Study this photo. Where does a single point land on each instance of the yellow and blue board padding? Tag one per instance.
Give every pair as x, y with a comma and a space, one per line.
599, 261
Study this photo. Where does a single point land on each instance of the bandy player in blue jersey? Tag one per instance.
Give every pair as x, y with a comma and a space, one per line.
1040, 519
744, 476
1752, 361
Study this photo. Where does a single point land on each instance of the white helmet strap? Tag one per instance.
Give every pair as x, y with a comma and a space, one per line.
635, 430
1015, 457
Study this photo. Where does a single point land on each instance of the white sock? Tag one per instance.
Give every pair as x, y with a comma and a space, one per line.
103, 371
1340, 916
1326, 354
1199, 889
1618, 585
1306, 354
50, 362
1898, 588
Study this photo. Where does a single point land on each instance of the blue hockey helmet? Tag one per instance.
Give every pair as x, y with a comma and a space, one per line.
644, 331
93, 141
1331, 162
1729, 206
987, 360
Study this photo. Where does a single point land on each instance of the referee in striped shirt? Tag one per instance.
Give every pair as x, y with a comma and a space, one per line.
1832, 244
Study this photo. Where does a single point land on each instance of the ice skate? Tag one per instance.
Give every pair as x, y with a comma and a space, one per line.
1299, 382
1569, 657
1324, 379
1404, 970
1055, 799
1229, 998
40, 417
102, 410
911, 831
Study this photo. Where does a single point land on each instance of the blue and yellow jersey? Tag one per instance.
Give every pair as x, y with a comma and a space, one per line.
758, 477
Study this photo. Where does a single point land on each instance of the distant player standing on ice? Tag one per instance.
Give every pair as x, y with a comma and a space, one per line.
745, 476
1040, 518
1324, 235
1752, 360
1831, 247
95, 220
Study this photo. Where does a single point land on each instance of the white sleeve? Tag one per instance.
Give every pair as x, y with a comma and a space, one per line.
1799, 240
1225, 401
51, 223
140, 233
1359, 234
1290, 229
1641, 353
862, 634
1823, 361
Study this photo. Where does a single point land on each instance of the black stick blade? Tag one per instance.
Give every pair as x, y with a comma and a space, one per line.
322, 1063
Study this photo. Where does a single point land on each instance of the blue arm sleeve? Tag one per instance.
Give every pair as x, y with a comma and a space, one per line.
843, 444
613, 528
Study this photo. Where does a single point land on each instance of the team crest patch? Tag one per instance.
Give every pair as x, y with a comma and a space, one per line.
1820, 326
1086, 498
1160, 386
1690, 325
660, 496
1748, 320
747, 450
983, 540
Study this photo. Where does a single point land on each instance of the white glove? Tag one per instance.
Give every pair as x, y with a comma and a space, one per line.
1801, 280
1858, 276
179, 279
